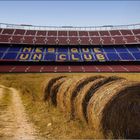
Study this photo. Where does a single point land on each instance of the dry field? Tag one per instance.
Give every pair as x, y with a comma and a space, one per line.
63, 105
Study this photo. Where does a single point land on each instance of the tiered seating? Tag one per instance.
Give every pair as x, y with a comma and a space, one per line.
70, 68
71, 54
58, 37
69, 50
126, 32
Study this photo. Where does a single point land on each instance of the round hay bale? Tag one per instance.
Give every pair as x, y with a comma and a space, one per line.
62, 93
54, 90
74, 89
82, 99
47, 84
115, 108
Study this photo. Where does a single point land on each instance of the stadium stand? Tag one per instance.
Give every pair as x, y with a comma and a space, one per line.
69, 49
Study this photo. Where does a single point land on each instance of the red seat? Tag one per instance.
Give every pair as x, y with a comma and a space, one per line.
52, 33
20, 69
30, 32
8, 31
34, 69
49, 69
84, 41
107, 41
90, 69
76, 68
73, 41
130, 39
136, 31
51, 40
41, 33
104, 33
62, 40
126, 32
73, 33
17, 39
40, 40
28, 39
131, 68
96, 41
83, 33
114, 32
63, 69
19, 32
6, 68
119, 40
104, 68
5, 38
93, 33
93, 68
62, 33
117, 68
138, 37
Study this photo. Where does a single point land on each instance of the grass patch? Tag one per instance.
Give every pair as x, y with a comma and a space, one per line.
5, 101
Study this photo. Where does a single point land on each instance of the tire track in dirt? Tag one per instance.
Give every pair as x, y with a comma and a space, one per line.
14, 122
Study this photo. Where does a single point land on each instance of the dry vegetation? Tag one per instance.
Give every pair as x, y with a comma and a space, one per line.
50, 121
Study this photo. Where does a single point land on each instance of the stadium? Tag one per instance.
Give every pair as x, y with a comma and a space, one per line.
69, 70
28, 48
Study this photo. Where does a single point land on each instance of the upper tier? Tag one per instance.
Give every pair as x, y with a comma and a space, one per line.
105, 35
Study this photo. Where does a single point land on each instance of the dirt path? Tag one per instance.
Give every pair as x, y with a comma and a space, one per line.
14, 123
1, 93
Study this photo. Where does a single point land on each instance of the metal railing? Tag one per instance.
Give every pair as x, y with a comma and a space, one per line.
69, 28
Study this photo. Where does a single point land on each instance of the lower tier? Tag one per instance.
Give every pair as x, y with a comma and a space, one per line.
67, 69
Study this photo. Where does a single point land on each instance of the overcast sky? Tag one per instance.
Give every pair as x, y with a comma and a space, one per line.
70, 13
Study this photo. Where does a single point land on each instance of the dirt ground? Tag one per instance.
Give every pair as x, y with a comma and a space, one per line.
14, 123
24, 115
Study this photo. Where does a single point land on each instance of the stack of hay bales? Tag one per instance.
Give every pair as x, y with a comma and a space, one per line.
47, 85
82, 99
108, 104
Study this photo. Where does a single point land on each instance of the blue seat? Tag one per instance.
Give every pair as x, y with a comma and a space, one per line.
10, 56
14, 49
3, 49
133, 49
126, 56
1, 54
50, 57
136, 55
62, 50
111, 50
121, 50
113, 57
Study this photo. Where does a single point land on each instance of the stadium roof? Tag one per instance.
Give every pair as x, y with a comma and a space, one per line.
34, 27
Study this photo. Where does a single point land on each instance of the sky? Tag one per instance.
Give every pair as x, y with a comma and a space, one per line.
70, 13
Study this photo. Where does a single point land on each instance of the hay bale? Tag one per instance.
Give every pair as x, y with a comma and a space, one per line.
82, 99
74, 89
47, 84
54, 90
115, 108
62, 93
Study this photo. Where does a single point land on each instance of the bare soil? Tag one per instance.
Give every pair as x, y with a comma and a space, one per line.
14, 123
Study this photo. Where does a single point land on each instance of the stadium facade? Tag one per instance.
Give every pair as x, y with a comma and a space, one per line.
28, 48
